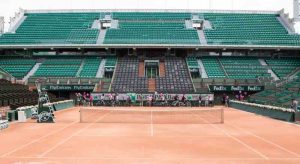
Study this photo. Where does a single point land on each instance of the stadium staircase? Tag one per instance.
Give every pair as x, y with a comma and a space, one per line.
141, 68
31, 72
286, 23
101, 69
201, 36
222, 66
202, 69
151, 85
101, 36
80, 68
162, 70
270, 71
14, 25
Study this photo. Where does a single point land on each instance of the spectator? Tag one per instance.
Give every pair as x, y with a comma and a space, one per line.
227, 101
200, 100
128, 100
150, 99
294, 105
87, 99
91, 100
223, 98
206, 101
210, 99
183, 98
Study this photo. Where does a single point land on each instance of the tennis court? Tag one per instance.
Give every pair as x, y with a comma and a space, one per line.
242, 138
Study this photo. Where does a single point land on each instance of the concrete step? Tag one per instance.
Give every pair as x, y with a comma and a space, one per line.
151, 85
162, 69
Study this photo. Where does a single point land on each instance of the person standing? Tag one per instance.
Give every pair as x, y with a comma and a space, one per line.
91, 100
200, 100
294, 105
227, 101
206, 101
210, 99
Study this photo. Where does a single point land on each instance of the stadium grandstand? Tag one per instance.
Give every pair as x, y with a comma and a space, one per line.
206, 59
174, 52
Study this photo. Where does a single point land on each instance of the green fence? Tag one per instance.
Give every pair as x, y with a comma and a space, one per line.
277, 114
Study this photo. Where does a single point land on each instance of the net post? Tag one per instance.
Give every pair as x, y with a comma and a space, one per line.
222, 115
80, 115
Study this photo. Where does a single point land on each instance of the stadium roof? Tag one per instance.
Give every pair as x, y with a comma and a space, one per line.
151, 29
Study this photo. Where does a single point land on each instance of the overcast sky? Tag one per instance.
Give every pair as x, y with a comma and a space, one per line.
9, 7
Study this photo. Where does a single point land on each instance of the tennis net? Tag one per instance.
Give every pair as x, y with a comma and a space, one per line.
152, 116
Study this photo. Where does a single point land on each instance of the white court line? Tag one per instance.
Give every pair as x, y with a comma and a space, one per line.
267, 141
68, 138
36, 140
164, 158
236, 139
263, 139
152, 130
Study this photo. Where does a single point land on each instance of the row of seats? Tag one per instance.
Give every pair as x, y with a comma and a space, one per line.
126, 77
150, 16
177, 79
213, 67
151, 36
283, 66
243, 67
58, 68
281, 96
17, 67
15, 93
253, 29
64, 28
90, 67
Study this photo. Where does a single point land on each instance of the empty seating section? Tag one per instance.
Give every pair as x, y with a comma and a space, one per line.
59, 68
243, 67
15, 94
177, 79
151, 28
283, 66
243, 29
192, 62
49, 28
17, 67
110, 61
281, 96
90, 67
151, 16
213, 67
126, 77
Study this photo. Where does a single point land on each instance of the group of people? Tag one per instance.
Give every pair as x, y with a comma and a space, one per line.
84, 99
206, 101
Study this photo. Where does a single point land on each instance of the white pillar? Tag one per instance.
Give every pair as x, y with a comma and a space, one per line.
1, 25
296, 10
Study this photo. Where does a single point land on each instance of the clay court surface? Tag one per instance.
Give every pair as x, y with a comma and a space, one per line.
243, 138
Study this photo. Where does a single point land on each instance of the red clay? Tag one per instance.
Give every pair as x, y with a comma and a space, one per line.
243, 138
